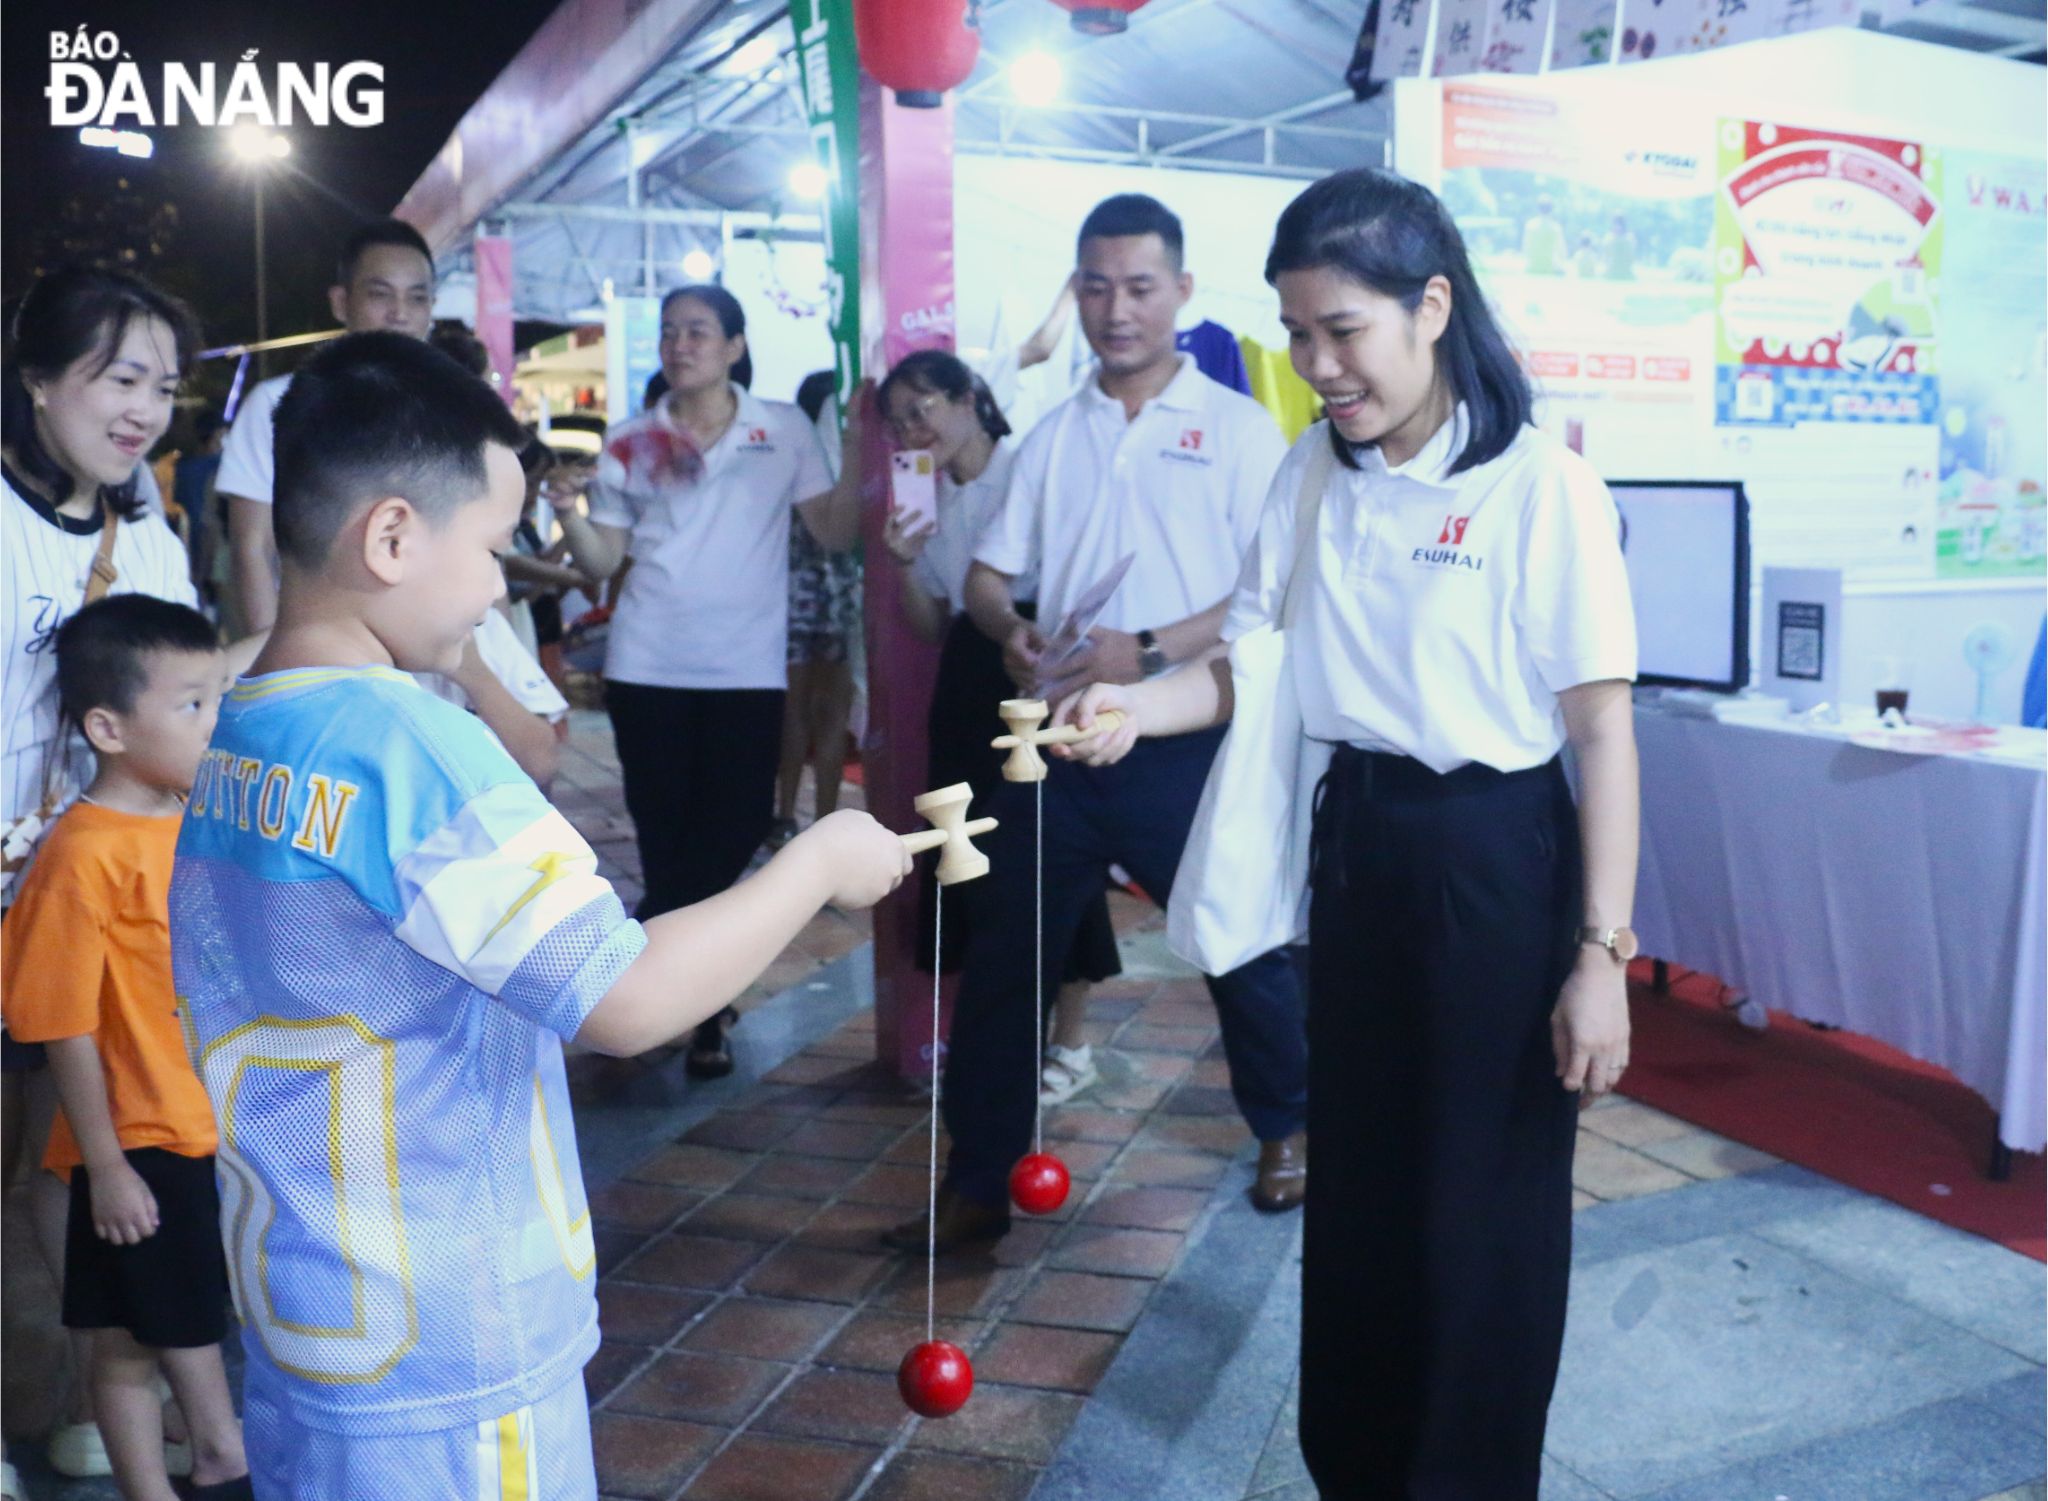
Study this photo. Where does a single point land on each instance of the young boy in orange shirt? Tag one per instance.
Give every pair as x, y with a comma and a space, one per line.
87, 951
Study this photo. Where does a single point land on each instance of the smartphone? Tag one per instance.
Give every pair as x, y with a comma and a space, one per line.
914, 488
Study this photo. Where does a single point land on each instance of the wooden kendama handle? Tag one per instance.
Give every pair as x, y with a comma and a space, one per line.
931, 839
1069, 734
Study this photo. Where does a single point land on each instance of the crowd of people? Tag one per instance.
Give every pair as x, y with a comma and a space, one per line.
295, 940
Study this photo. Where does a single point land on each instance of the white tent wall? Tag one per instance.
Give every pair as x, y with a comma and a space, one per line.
782, 287
1847, 80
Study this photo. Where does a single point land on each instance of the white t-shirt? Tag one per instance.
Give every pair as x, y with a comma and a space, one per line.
1179, 487
706, 604
1447, 611
248, 460
497, 643
965, 512
45, 560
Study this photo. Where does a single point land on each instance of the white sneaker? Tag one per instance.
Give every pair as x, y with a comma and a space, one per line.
78, 1451
1068, 1071
10, 1483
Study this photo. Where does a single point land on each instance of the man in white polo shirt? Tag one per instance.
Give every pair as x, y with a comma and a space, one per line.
1153, 460
385, 280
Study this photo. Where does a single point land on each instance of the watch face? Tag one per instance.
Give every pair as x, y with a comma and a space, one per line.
1625, 943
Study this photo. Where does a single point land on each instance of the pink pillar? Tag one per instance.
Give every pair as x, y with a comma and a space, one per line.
906, 281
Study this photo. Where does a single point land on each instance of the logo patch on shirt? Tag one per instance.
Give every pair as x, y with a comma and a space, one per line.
1449, 551
1189, 450
757, 441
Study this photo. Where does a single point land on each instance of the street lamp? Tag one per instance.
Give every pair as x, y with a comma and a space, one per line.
257, 149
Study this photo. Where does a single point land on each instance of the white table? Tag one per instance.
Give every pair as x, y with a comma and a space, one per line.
1900, 896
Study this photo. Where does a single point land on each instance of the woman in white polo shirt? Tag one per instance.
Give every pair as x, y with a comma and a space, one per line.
1467, 617
700, 492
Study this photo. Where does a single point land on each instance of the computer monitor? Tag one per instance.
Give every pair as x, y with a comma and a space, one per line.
1686, 544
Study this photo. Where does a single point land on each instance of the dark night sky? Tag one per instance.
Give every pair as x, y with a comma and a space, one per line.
438, 55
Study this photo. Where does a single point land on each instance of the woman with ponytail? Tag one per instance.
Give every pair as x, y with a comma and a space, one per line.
933, 401
698, 493
1461, 615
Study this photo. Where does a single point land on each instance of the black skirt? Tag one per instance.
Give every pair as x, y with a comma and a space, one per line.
971, 682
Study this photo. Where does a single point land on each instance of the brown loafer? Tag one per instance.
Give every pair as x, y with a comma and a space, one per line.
1283, 1174
962, 1222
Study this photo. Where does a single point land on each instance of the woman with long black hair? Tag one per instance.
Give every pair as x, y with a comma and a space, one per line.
1463, 615
700, 492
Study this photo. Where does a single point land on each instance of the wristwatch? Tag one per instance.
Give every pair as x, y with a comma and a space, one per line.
1620, 942
1151, 655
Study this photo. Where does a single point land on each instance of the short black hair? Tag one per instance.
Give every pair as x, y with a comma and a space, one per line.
378, 232
1133, 214
379, 414
103, 650
455, 340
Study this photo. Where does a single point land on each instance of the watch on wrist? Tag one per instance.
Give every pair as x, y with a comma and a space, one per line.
1151, 656
1619, 942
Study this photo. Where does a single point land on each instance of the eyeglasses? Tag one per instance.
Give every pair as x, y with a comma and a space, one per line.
919, 418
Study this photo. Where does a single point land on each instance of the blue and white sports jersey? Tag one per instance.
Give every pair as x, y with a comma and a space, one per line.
381, 932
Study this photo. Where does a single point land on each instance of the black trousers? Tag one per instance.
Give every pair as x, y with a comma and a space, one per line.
1136, 814
699, 771
1437, 1240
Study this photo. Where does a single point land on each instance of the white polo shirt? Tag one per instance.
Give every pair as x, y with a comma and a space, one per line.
248, 459
1179, 487
1447, 611
499, 648
706, 604
965, 512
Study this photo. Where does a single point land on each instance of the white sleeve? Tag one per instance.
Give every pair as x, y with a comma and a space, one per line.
169, 567
1573, 607
813, 475
1009, 542
511, 664
1261, 451
1269, 559
248, 466
611, 504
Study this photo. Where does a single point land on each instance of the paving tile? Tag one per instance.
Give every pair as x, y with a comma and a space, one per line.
1582, 1200
850, 1227
1147, 1208
1705, 1155
771, 1469
1026, 1242
1200, 1099
646, 1207
1085, 1160
877, 1109
818, 1273
850, 1140
1196, 1134
700, 1388
1003, 1422
694, 1167
894, 1183
635, 1314
877, 1340
851, 1406
804, 1100
740, 1131
2034, 1490
609, 1367
965, 1286
646, 1457
1633, 1124
1212, 1072
1607, 1171
1137, 1095
916, 1475
1092, 1123
745, 1216
1169, 1169
1148, 1037
765, 1328
1117, 1250
1070, 1360
796, 1177
685, 1260
1082, 1300
615, 1246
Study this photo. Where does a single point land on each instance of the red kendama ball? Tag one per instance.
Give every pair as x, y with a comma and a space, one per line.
935, 1379
1039, 1183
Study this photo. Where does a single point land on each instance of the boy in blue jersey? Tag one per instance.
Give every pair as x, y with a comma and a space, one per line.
383, 933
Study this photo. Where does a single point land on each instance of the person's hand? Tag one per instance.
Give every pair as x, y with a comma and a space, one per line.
863, 860
1021, 651
905, 535
565, 484
471, 668
1110, 657
1080, 710
1589, 1029
123, 1208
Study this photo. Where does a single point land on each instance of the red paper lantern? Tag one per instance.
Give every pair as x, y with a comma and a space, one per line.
1039, 1183
935, 1379
1100, 17
919, 48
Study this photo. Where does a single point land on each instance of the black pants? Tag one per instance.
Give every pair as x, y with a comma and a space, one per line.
1437, 1241
699, 771
1136, 814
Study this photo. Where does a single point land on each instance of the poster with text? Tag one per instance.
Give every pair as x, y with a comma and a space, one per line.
1590, 221
1994, 379
1827, 263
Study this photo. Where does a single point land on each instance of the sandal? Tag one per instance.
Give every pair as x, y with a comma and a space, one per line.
710, 1057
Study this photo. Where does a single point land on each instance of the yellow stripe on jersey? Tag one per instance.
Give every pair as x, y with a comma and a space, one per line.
307, 677
512, 1457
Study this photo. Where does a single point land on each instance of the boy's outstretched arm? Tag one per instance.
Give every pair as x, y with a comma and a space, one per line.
700, 957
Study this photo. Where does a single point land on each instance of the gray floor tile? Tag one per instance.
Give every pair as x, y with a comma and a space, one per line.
1996, 1294
1946, 1451
1690, 1359
1607, 1231
1563, 1484
2019, 1399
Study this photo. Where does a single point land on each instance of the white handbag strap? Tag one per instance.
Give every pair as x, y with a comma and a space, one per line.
1308, 506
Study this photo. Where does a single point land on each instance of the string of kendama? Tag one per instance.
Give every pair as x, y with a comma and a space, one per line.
936, 1378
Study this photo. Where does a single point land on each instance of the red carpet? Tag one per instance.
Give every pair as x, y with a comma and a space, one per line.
1842, 1105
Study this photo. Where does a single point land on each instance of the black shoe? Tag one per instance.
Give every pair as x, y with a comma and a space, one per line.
709, 1056
962, 1222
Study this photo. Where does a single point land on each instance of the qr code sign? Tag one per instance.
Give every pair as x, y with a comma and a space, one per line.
1755, 398
1799, 652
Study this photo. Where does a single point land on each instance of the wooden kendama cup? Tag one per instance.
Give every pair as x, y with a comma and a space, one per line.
1024, 716
945, 808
